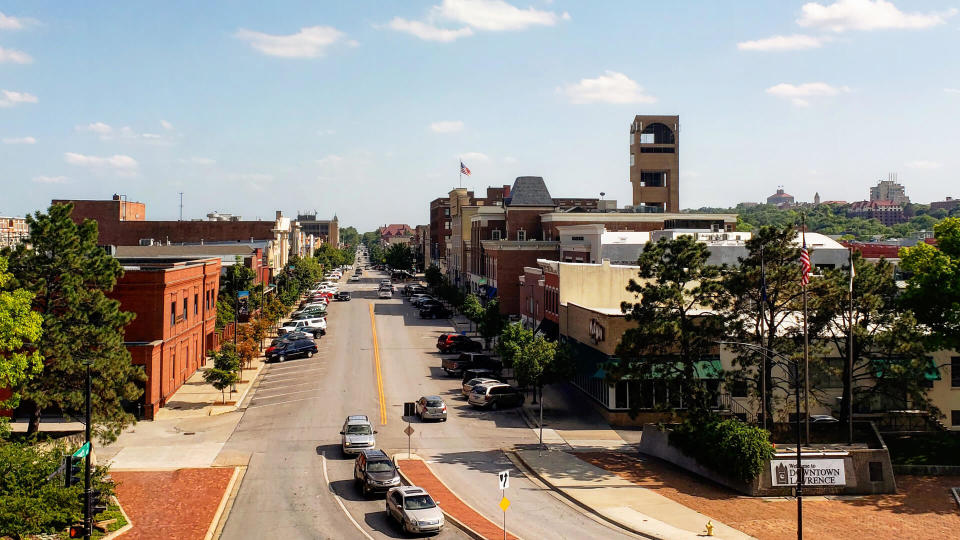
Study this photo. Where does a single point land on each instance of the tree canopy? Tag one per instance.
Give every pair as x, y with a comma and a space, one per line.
399, 257
20, 329
933, 285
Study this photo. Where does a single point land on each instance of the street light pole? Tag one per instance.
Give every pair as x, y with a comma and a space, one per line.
87, 518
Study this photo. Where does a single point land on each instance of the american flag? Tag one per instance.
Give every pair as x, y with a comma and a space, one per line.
464, 169
804, 265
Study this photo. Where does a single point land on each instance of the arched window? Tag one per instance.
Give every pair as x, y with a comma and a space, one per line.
657, 133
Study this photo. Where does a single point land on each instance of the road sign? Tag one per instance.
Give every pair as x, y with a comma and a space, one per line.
410, 408
409, 431
504, 479
504, 504
82, 451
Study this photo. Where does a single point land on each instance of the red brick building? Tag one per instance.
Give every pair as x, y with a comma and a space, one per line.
175, 301
886, 212
436, 253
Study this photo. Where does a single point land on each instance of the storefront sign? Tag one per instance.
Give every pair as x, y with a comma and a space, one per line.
597, 331
816, 472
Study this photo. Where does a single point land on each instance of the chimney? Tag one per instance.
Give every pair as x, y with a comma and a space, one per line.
506, 192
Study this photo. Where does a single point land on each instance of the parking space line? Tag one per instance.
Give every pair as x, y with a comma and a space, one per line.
376, 360
286, 394
285, 402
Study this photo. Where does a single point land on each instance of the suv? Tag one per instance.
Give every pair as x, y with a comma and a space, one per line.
495, 396
374, 471
316, 326
468, 384
357, 434
432, 408
434, 311
288, 349
414, 509
458, 343
469, 360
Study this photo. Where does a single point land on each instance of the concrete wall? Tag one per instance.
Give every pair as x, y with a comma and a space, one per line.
600, 285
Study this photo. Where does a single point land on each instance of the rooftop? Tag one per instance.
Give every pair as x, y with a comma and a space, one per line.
530, 191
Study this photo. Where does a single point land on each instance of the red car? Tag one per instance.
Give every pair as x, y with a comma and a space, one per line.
451, 343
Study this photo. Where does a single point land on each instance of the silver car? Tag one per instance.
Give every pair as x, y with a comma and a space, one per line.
357, 434
468, 386
414, 510
432, 408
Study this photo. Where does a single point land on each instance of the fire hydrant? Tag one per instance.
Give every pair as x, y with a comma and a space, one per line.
709, 528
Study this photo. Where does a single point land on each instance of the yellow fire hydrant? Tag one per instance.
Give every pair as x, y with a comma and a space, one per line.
709, 528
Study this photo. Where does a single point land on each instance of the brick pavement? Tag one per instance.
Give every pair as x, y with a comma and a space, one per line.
923, 508
420, 475
175, 505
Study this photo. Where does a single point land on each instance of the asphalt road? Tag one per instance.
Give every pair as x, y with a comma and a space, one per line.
292, 425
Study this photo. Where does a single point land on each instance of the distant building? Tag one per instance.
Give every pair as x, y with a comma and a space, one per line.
888, 213
889, 190
396, 233
323, 230
780, 198
13, 230
816, 198
949, 204
435, 254
655, 163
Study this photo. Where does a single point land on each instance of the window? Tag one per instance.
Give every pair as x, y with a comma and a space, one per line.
739, 388
646, 138
185, 308
955, 372
576, 239
657, 150
632, 159
196, 303
173, 312
653, 179
521, 235
495, 234
955, 418
632, 138
446, 225
446, 211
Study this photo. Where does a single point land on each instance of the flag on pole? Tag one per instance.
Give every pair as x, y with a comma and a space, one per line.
804, 264
464, 169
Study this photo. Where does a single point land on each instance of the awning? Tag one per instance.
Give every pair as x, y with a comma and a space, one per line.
549, 329
703, 369
882, 368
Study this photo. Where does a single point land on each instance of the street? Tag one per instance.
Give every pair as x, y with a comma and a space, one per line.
291, 428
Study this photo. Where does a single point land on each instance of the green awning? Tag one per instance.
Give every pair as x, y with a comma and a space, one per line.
703, 369
881, 367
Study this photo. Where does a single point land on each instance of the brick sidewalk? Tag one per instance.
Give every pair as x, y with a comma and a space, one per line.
922, 509
420, 475
175, 505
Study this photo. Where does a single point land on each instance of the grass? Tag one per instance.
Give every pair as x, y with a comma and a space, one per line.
939, 448
112, 512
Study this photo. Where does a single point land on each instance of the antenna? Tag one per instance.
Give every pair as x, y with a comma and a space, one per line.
181, 206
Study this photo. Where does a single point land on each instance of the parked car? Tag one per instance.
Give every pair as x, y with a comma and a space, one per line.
289, 336
415, 299
432, 408
374, 471
429, 303
355, 277
289, 349
469, 360
357, 434
316, 326
414, 510
308, 313
343, 296
476, 381
434, 311
495, 396
459, 343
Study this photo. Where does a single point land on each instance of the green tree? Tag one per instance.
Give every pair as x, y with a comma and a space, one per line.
399, 257
532, 360
512, 341
680, 315
933, 285
69, 276
433, 276
472, 308
226, 365
20, 329
490, 322
349, 237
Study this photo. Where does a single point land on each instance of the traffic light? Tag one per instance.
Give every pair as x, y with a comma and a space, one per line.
77, 531
97, 502
73, 470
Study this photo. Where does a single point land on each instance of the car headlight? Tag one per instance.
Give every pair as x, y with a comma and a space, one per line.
346, 444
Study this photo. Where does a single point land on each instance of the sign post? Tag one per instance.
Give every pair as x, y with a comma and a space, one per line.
504, 478
409, 409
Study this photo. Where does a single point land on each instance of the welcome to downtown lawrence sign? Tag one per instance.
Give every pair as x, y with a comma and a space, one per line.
816, 472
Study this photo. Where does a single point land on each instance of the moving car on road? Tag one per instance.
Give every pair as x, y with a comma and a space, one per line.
342, 296
355, 277
385, 293
289, 349
432, 408
357, 434
495, 396
374, 471
414, 510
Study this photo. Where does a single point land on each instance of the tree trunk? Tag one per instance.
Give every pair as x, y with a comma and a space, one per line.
34, 425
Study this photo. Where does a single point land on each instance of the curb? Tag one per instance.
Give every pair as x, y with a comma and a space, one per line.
456, 522
226, 504
527, 469
123, 529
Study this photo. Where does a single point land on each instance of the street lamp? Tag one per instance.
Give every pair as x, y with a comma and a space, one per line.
796, 385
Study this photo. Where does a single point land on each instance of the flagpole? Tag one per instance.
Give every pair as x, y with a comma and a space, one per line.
849, 403
460, 180
806, 344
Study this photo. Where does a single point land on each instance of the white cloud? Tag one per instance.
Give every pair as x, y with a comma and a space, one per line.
952, 90
9, 98
101, 129
14, 57
198, 161
447, 126
329, 160
107, 132
118, 163
50, 179
924, 164
845, 15
612, 87
796, 42
427, 31
309, 42
166, 125
19, 140
10, 23
495, 15
798, 94
473, 156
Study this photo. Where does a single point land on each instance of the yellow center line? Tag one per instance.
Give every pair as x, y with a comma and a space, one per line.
376, 360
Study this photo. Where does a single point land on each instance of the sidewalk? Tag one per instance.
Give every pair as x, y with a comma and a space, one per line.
624, 503
568, 424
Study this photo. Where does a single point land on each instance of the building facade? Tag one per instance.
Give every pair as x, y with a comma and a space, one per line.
781, 198
889, 190
323, 230
13, 231
885, 211
436, 252
655, 163
947, 204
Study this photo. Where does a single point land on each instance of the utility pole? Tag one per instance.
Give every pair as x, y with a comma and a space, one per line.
87, 517
796, 384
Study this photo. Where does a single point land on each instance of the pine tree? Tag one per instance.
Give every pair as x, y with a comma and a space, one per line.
69, 274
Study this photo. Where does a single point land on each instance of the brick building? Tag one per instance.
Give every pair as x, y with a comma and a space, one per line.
439, 231
886, 212
251, 256
13, 230
323, 230
781, 198
175, 300
655, 163
947, 204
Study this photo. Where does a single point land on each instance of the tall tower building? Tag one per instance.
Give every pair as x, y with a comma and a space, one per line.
655, 163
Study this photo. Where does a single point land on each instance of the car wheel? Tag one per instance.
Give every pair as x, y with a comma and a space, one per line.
281, 358
493, 407
366, 490
309, 354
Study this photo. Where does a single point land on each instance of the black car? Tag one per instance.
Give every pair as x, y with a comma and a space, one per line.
374, 471
434, 311
342, 296
470, 360
289, 336
289, 349
455, 343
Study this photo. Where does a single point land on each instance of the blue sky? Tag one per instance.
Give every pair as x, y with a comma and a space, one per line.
364, 108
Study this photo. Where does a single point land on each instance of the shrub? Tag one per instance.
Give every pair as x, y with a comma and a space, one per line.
728, 447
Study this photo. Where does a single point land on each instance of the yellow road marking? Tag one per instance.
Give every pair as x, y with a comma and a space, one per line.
376, 360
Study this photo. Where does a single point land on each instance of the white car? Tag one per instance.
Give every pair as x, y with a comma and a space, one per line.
355, 278
316, 326
385, 293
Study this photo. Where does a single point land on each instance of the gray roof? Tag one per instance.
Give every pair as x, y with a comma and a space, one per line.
530, 191
175, 250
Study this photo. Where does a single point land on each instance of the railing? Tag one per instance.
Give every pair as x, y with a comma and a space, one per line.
725, 402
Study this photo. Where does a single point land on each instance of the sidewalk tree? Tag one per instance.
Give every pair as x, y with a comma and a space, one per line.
433, 276
20, 330
226, 364
511, 343
472, 309
247, 348
679, 316
399, 257
933, 285
61, 264
490, 322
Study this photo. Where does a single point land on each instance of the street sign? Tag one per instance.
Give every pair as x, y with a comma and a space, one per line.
82, 451
504, 504
409, 431
504, 480
409, 408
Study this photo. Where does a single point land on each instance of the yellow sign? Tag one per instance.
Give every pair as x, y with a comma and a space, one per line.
504, 504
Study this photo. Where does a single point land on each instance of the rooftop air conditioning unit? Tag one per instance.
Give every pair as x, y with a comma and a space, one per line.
146, 241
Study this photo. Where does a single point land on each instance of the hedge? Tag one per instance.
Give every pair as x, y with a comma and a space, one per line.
728, 447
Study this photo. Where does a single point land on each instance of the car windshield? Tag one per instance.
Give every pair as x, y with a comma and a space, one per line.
418, 502
434, 403
359, 429
379, 466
